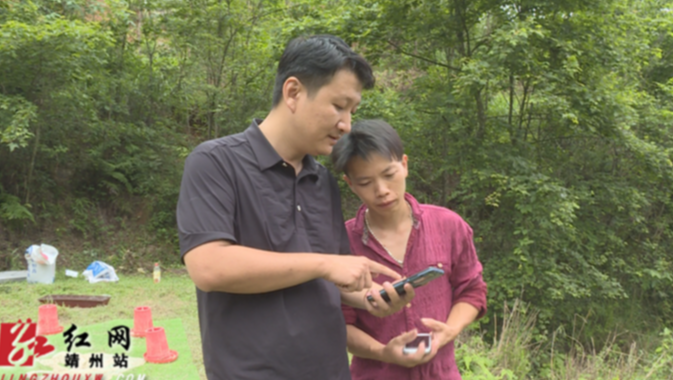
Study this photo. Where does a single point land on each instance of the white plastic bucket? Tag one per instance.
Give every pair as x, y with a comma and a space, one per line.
41, 261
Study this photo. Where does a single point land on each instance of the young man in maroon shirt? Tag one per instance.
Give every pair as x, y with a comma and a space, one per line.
393, 229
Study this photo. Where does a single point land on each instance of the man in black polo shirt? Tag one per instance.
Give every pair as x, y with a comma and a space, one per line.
262, 233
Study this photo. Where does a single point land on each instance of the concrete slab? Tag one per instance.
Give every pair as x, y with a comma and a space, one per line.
12, 276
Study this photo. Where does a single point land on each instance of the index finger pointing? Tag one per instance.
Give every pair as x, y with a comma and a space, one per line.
382, 269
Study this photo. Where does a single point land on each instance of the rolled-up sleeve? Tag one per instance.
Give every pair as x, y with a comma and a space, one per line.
207, 202
466, 275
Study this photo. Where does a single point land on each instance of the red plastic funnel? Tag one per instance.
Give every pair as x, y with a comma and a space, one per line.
142, 320
157, 347
47, 320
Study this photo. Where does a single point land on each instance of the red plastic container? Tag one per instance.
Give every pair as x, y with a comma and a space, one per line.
157, 347
142, 321
47, 320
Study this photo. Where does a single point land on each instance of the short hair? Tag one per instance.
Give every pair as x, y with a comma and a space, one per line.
314, 61
367, 137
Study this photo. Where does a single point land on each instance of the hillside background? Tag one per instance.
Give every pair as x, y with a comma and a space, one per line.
547, 125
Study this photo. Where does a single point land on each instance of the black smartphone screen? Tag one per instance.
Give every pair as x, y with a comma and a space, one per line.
424, 277
418, 279
416, 342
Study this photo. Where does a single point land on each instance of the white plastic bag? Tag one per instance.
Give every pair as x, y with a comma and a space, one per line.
49, 253
42, 254
41, 261
99, 271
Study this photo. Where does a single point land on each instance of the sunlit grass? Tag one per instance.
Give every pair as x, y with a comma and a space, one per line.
173, 297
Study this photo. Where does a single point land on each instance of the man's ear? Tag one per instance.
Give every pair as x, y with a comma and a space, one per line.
348, 181
405, 164
292, 92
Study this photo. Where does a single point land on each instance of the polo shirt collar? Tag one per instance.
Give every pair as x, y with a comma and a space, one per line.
267, 156
309, 166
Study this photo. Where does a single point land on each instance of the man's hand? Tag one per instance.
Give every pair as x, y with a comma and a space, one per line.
442, 333
354, 273
380, 308
392, 352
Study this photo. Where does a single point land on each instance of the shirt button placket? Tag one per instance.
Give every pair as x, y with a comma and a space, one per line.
409, 313
297, 220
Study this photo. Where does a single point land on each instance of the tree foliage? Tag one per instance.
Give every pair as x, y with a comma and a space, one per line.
542, 124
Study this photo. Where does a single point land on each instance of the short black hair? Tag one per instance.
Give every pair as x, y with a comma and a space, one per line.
367, 137
314, 61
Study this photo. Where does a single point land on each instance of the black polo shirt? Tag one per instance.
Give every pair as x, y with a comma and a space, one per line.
238, 188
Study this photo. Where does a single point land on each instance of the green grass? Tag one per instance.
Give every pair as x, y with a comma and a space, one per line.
173, 303
174, 297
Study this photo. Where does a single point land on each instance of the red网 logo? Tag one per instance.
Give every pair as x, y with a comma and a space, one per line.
20, 344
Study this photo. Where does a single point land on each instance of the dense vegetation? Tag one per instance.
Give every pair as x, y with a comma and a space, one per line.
545, 124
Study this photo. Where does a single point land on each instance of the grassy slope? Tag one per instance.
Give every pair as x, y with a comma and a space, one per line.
173, 297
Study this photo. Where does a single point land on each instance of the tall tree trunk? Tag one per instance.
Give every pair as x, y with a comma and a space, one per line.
32, 164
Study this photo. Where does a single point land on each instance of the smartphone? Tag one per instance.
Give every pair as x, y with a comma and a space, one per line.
412, 347
419, 279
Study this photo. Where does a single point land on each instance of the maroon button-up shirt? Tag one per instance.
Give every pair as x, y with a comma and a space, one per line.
439, 238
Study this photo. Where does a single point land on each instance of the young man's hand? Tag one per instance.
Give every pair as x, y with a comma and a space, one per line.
380, 308
393, 351
354, 273
442, 333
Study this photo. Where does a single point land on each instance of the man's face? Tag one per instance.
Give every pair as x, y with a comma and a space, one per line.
379, 182
325, 116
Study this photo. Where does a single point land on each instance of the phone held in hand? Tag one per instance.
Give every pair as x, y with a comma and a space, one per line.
412, 347
419, 279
